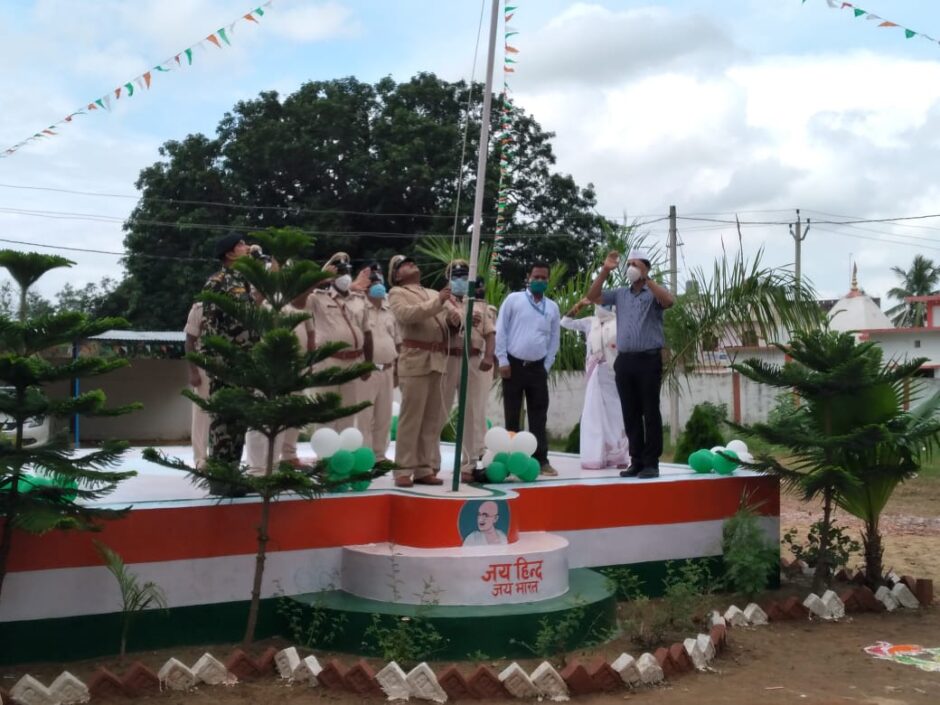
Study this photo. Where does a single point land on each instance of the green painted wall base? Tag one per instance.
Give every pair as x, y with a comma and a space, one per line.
92, 636
338, 621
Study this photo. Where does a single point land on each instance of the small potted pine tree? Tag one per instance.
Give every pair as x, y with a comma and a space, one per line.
46, 487
264, 385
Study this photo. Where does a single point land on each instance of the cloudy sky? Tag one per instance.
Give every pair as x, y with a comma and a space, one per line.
748, 107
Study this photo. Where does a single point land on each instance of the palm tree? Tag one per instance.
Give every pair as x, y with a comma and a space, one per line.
920, 280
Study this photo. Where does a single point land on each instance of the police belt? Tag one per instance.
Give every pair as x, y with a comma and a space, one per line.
457, 352
426, 346
347, 354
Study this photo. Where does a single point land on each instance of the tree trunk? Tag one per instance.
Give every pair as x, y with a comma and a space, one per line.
874, 554
22, 304
262, 551
821, 577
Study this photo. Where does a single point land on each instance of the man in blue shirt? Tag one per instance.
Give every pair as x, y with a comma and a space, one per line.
639, 365
528, 333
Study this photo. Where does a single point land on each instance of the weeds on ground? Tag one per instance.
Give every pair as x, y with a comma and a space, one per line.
406, 640
312, 626
556, 635
843, 546
649, 623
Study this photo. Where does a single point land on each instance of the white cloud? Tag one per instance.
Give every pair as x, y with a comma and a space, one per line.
303, 22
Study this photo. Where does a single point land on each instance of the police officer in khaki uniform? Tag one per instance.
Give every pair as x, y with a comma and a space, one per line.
423, 326
480, 364
341, 315
199, 381
375, 421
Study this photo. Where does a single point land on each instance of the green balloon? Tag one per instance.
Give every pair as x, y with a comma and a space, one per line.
518, 462
28, 483
496, 472
345, 487
532, 470
363, 459
394, 427
489, 424
361, 485
341, 464
723, 465
702, 461
501, 458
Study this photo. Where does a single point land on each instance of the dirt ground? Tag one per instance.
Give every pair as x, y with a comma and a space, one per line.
808, 663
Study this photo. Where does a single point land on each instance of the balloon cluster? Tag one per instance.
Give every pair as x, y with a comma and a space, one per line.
345, 456
396, 410
720, 459
509, 453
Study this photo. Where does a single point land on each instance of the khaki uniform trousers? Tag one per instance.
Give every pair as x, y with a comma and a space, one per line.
199, 433
418, 442
375, 421
352, 393
474, 421
256, 451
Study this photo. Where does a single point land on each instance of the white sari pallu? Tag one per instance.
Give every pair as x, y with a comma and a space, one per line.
603, 439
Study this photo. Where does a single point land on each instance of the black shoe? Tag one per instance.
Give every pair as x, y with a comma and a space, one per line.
633, 471
648, 473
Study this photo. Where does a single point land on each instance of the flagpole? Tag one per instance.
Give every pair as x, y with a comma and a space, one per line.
475, 237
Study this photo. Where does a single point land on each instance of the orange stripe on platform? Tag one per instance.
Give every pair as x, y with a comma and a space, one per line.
635, 503
183, 533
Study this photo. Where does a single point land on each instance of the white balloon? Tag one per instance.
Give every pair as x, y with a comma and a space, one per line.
350, 438
497, 440
717, 448
325, 442
396, 408
488, 458
737, 446
746, 457
524, 442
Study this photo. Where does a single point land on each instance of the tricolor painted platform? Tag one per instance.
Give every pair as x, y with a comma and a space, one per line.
360, 551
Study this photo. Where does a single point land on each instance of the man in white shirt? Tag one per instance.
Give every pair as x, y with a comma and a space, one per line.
528, 333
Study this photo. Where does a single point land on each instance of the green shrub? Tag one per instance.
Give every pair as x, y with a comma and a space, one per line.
749, 557
842, 546
573, 444
702, 430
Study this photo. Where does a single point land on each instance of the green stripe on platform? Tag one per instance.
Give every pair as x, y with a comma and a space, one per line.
499, 630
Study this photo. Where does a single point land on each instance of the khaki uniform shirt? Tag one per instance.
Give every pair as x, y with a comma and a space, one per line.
195, 323
421, 318
338, 318
385, 334
484, 324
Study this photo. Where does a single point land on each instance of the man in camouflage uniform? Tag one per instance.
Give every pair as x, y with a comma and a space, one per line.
227, 440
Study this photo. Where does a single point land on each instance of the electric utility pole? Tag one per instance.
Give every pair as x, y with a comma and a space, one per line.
798, 234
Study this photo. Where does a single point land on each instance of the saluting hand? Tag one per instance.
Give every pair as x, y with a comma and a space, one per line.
612, 261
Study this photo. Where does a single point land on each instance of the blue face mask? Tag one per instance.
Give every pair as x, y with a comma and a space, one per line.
377, 291
459, 287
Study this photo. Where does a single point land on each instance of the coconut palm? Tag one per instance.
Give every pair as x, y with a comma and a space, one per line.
920, 280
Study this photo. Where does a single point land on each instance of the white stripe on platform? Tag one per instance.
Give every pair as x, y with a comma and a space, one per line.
662, 542
70, 592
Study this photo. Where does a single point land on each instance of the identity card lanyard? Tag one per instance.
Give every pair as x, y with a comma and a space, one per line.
537, 307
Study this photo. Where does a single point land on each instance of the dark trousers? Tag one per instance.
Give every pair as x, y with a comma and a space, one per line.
531, 380
639, 378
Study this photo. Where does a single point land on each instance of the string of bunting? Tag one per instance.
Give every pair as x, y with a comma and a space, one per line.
505, 136
871, 16
220, 38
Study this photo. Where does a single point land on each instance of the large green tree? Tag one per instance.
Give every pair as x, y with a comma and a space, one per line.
368, 168
921, 279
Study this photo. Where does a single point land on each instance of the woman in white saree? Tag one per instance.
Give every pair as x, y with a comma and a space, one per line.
603, 439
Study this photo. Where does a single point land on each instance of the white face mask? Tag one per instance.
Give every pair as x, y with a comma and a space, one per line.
634, 274
342, 282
